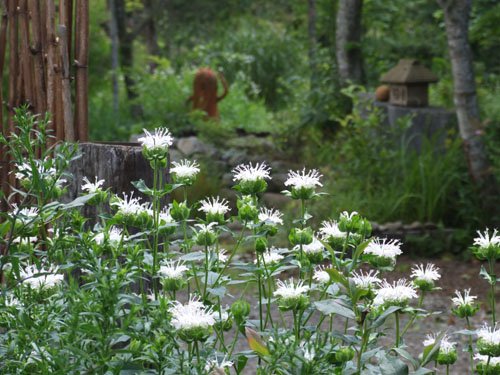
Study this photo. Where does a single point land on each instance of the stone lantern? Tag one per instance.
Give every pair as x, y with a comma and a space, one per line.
409, 83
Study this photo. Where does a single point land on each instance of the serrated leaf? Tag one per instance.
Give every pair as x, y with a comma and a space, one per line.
334, 306
255, 342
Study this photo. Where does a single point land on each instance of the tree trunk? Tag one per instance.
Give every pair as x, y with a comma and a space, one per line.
456, 14
150, 31
312, 40
348, 41
115, 62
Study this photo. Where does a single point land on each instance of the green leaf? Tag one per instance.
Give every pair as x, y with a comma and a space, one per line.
335, 306
403, 353
392, 365
255, 342
422, 371
241, 363
337, 277
491, 279
382, 317
80, 201
218, 292
193, 257
141, 186
431, 351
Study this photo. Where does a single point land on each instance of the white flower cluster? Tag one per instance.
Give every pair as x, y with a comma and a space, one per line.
330, 229
214, 206
185, 169
384, 248
25, 215
314, 247
114, 236
365, 280
248, 172
270, 216
321, 276
463, 299
446, 346
289, 290
485, 239
161, 139
92, 187
271, 256
130, 205
39, 278
304, 180
489, 335
193, 314
172, 269
429, 274
399, 292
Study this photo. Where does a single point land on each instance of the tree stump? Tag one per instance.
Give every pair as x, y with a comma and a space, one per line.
119, 164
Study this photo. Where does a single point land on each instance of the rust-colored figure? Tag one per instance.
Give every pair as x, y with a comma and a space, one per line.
205, 92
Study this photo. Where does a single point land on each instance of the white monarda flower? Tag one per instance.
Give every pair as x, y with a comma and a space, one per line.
11, 301
38, 278
218, 367
489, 335
463, 299
366, 280
191, 315
330, 229
321, 276
172, 269
206, 228
221, 316
271, 256
486, 240
214, 207
222, 256
114, 236
185, 168
484, 359
348, 216
25, 240
92, 187
248, 172
397, 293
289, 290
26, 215
308, 351
314, 247
161, 139
270, 216
446, 346
128, 205
384, 248
429, 274
165, 216
303, 179
25, 170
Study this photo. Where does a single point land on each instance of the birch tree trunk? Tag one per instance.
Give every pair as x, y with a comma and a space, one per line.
456, 14
348, 41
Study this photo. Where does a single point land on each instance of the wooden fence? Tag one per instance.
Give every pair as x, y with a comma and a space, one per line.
44, 46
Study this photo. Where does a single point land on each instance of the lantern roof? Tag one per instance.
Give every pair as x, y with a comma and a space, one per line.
409, 71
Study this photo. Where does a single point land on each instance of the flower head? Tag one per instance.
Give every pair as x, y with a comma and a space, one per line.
464, 299
488, 342
271, 256
484, 360
383, 253
289, 290
192, 320
216, 366
214, 209
447, 354
26, 215
173, 269
313, 251
92, 187
303, 179
396, 294
128, 205
424, 278
321, 276
185, 171
248, 172
39, 278
271, 217
205, 235
222, 256
330, 230
365, 281
114, 236
486, 245
161, 139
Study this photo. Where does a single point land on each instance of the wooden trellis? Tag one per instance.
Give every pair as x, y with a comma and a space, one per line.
44, 43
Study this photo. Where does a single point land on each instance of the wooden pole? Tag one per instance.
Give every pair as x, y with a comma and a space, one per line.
4, 166
69, 129
81, 63
39, 77
51, 66
25, 54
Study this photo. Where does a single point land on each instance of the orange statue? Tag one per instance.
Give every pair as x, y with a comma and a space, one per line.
205, 92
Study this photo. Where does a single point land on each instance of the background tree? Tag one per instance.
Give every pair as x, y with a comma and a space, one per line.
348, 41
456, 15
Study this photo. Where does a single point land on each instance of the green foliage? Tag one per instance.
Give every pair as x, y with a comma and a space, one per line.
381, 170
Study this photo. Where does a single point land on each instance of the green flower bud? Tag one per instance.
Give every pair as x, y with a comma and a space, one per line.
260, 245
344, 354
252, 187
180, 211
299, 236
447, 358
240, 309
247, 210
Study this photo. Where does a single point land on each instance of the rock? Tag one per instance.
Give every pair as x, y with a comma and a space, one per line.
175, 155
394, 227
193, 145
430, 226
415, 226
277, 183
227, 180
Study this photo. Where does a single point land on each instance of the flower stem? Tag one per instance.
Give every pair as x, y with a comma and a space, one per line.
397, 328
492, 290
470, 349
261, 324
